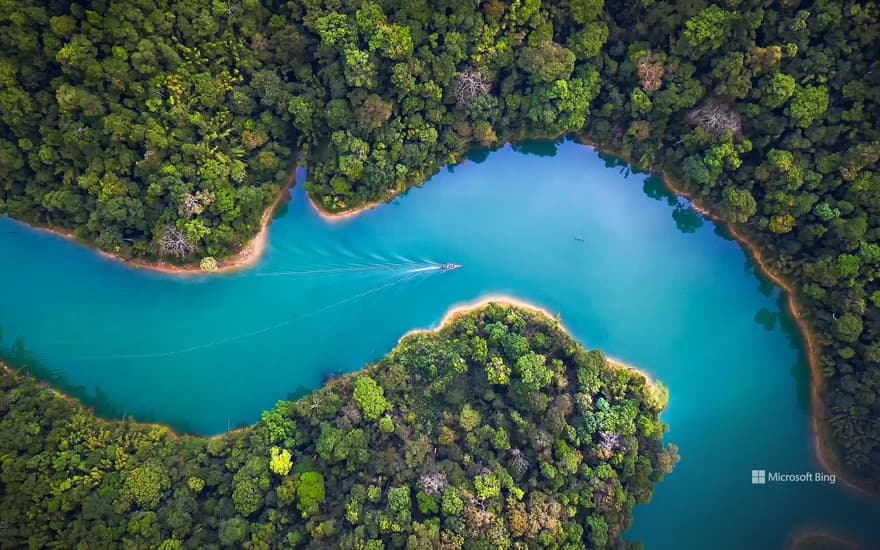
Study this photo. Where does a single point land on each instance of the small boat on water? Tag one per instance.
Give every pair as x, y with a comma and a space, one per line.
579, 239
449, 267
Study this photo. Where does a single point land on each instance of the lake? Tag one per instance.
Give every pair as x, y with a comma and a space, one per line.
631, 270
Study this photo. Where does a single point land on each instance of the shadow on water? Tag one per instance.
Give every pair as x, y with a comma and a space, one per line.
767, 318
25, 361
687, 220
543, 148
28, 362
655, 188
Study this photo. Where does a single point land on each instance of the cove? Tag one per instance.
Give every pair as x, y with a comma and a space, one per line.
631, 269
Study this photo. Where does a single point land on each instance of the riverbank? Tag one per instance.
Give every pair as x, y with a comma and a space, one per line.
249, 254
333, 217
451, 315
826, 453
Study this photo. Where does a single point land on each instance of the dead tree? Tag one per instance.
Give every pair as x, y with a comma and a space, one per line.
433, 484
469, 85
651, 71
174, 242
716, 118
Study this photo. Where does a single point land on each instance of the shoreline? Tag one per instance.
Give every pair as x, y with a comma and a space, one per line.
249, 254
825, 454
465, 308
450, 316
334, 217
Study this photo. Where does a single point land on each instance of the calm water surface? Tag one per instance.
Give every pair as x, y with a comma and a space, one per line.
647, 280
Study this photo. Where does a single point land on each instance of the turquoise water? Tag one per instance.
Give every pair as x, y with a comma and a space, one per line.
651, 283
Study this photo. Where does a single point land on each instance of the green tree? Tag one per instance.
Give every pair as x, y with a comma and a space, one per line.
310, 493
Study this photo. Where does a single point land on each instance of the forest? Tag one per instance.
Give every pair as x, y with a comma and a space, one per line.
497, 431
162, 129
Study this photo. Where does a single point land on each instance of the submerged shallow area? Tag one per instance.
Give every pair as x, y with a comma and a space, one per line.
630, 269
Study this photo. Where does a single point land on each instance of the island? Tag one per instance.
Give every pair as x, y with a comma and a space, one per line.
494, 429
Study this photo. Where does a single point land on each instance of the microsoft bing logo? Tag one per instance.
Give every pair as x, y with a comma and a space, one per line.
759, 477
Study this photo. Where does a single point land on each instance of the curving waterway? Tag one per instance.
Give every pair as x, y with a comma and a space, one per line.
631, 269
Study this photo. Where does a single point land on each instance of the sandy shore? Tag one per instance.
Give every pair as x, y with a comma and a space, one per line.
246, 257
333, 217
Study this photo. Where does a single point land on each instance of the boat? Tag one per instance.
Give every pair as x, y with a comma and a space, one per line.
449, 267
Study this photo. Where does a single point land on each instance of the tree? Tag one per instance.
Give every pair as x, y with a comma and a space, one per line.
738, 205
717, 119
280, 462
175, 242
547, 63
208, 264
144, 484
233, 531
848, 327
374, 112
469, 418
706, 31
778, 91
370, 397
469, 85
310, 493
809, 104
247, 496
533, 372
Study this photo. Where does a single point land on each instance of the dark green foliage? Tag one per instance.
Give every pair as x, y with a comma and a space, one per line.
170, 125
505, 471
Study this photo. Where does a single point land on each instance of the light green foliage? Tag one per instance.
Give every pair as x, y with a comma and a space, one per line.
532, 371
738, 205
497, 371
279, 461
196, 484
809, 104
144, 484
370, 397
487, 486
208, 264
778, 91
469, 419
452, 505
310, 492
707, 30
386, 425
640, 103
826, 212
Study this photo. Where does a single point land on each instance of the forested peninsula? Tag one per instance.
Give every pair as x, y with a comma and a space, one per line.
164, 129
495, 431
